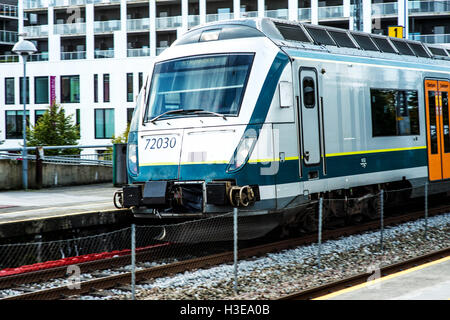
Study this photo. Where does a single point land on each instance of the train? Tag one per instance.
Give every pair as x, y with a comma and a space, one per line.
268, 116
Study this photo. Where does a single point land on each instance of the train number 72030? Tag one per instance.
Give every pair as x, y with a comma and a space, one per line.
160, 143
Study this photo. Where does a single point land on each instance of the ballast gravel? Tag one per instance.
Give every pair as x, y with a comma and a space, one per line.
286, 272
278, 274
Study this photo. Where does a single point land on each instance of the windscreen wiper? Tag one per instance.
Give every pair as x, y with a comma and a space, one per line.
195, 111
172, 112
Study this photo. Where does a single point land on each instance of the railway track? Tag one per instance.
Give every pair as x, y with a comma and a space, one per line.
123, 280
331, 287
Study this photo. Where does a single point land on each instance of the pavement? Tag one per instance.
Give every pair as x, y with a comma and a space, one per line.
430, 281
55, 209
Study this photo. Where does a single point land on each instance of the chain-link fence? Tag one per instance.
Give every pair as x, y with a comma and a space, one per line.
139, 247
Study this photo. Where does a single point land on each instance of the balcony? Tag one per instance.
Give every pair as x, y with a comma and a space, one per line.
431, 38
138, 24
193, 20
36, 31
168, 22
331, 12
9, 58
304, 14
249, 14
424, 7
36, 4
159, 50
106, 26
66, 3
8, 37
7, 10
43, 56
138, 52
219, 16
101, 54
70, 28
277, 14
74, 55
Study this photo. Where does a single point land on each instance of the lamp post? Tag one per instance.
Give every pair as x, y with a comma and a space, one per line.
24, 48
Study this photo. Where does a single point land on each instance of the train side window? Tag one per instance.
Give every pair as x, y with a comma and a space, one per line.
309, 92
394, 112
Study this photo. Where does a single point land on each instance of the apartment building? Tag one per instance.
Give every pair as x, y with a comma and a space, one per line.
94, 54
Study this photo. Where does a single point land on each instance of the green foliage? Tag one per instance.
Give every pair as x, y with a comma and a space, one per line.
123, 138
54, 129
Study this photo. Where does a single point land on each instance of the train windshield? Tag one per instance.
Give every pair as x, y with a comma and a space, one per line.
205, 85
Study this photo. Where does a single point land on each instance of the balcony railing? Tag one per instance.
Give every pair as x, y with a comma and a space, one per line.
138, 24
219, 16
138, 52
160, 49
431, 38
35, 4
9, 58
249, 14
43, 56
428, 6
100, 54
193, 20
168, 22
74, 55
9, 37
36, 31
70, 28
331, 12
304, 14
278, 14
65, 3
8, 10
106, 26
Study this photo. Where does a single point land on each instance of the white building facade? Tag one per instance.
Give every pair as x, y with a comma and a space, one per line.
95, 54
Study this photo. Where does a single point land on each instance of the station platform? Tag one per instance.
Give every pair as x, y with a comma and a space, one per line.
430, 281
34, 211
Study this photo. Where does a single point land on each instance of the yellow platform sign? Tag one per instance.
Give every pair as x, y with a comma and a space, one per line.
396, 32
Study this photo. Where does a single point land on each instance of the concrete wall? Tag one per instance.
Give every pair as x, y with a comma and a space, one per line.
53, 175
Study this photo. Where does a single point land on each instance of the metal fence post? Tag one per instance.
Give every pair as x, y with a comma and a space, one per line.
235, 249
381, 218
426, 210
133, 261
320, 231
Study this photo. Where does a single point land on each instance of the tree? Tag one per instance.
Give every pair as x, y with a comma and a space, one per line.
54, 129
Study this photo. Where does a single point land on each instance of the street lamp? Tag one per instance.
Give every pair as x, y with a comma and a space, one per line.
24, 48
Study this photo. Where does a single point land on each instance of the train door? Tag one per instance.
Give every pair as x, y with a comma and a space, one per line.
310, 124
438, 135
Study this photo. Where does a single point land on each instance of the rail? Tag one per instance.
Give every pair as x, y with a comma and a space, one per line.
103, 158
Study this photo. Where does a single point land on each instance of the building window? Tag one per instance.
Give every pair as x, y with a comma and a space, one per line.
106, 87
27, 93
129, 87
9, 91
14, 126
37, 115
41, 90
129, 114
95, 87
70, 89
394, 112
309, 93
104, 123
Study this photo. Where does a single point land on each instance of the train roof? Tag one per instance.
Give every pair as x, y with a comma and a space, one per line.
297, 35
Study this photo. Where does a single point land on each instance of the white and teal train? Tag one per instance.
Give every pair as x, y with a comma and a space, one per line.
268, 115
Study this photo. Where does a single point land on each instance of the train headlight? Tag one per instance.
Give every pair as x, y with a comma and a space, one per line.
242, 153
132, 152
